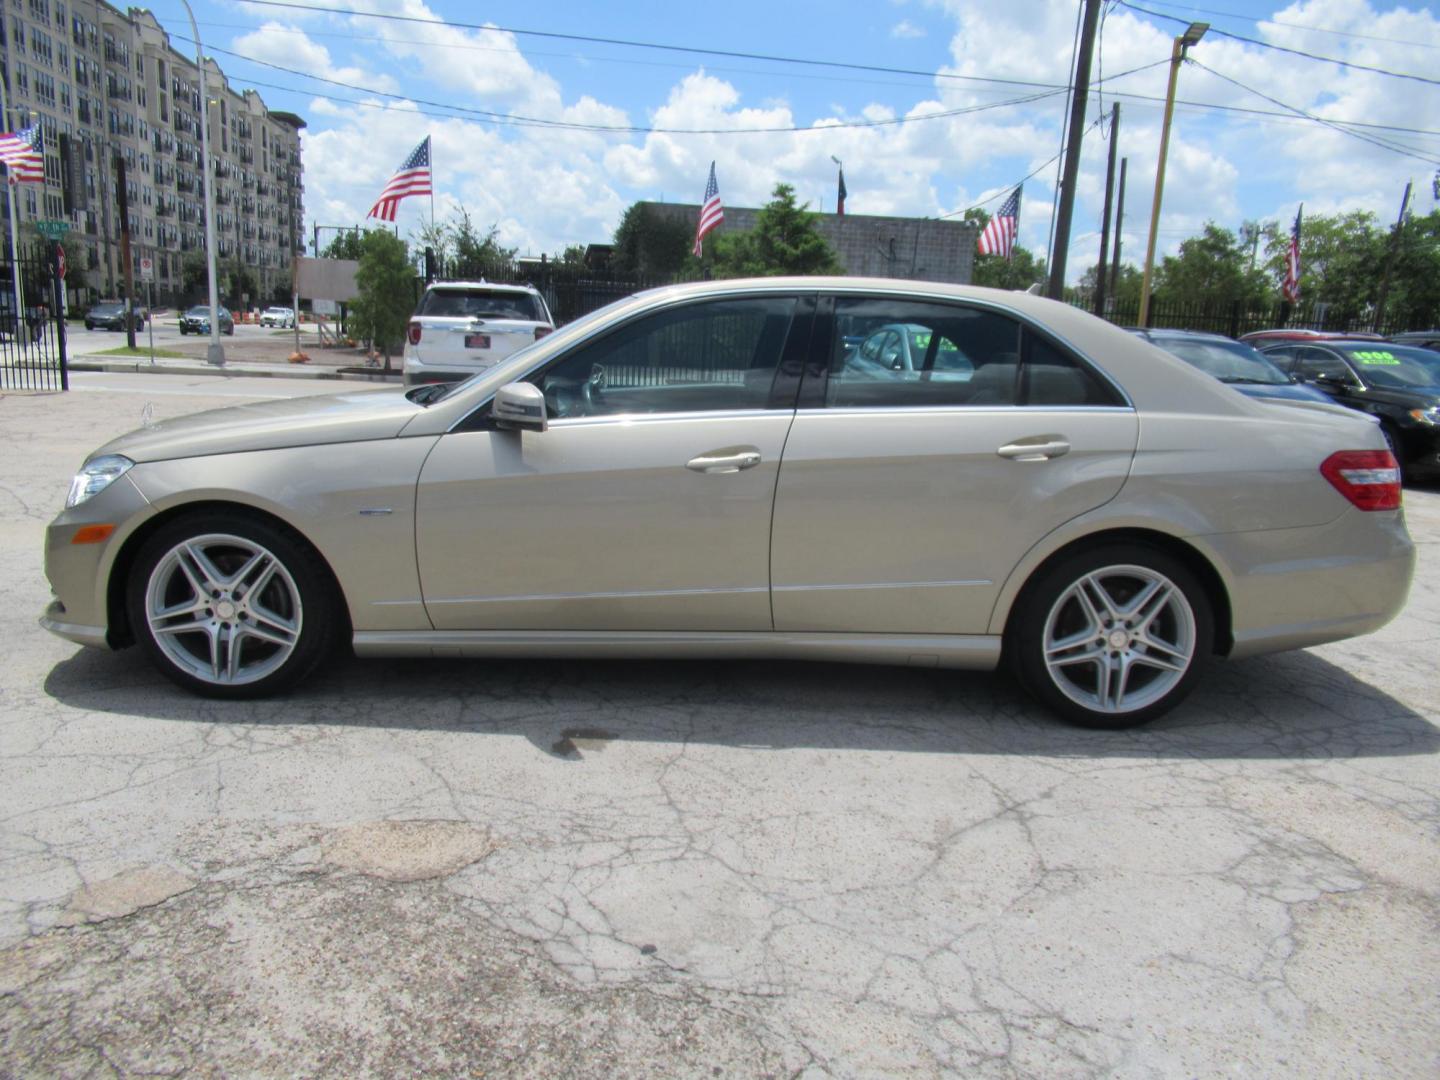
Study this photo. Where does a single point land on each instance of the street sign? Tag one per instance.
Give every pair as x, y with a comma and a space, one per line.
60, 260
147, 269
53, 229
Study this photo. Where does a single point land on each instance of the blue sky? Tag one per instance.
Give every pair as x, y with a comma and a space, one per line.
546, 187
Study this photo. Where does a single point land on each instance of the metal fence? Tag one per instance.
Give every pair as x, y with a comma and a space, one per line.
570, 291
32, 335
1234, 318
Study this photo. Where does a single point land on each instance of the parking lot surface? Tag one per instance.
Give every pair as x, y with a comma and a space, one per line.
700, 869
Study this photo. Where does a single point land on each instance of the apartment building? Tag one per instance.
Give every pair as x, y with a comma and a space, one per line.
113, 79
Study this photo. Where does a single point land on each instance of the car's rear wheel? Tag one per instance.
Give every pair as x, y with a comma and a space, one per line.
230, 606
1112, 636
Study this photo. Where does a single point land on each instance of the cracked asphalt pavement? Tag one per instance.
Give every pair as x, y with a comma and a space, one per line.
700, 869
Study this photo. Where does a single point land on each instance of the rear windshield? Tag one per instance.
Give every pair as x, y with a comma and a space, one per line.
482, 304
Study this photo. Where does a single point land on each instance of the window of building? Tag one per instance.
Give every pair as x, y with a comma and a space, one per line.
40, 47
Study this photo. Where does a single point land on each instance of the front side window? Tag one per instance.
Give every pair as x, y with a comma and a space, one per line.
888, 351
718, 355
1312, 363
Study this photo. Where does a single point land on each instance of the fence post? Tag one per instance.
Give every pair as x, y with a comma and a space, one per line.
1234, 318
53, 250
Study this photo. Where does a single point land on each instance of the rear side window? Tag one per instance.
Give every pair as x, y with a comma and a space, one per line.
888, 352
482, 304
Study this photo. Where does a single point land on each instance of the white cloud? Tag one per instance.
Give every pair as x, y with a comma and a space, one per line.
906, 29
290, 47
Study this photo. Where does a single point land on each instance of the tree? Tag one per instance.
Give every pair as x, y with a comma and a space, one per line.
1342, 259
651, 243
573, 255
1213, 268
385, 281
1018, 272
194, 273
472, 251
346, 245
784, 241
1415, 276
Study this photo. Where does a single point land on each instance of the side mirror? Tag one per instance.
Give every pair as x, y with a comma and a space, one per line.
519, 406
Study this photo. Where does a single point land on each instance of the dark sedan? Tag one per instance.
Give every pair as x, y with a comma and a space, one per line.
1399, 385
1232, 362
110, 315
197, 321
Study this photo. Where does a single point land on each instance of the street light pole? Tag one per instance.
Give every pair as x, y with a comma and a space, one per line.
214, 353
1193, 33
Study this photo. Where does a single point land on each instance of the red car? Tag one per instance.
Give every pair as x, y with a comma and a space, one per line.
1258, 338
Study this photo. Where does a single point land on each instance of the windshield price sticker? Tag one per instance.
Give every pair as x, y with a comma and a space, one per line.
1376, 358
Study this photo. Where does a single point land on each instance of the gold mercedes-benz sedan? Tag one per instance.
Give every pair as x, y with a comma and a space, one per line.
836, 469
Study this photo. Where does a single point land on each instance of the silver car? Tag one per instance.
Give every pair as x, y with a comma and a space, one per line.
713, 470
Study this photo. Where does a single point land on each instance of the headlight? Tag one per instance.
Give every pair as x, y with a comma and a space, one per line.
96, 476
1427, 416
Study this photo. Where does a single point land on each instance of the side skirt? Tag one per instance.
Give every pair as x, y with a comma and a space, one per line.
976, 653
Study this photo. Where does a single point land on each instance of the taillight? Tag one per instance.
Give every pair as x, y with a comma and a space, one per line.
412, 333
541, 331
1370, 479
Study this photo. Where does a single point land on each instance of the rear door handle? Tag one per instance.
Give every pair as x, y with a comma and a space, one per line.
1035, 448
730, 459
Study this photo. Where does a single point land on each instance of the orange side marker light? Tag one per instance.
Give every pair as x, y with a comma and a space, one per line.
92, 534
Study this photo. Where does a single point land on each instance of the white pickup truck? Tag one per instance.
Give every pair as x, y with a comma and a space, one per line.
461, 327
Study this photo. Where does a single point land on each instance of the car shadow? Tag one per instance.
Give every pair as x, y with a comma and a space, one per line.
1296, 705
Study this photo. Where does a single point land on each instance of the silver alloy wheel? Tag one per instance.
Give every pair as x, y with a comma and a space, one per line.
1120, 638
223, 609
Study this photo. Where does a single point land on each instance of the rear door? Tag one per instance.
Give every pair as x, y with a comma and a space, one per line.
907, 497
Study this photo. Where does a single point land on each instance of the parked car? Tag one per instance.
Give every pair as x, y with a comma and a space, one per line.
700, 470
462, 327
110, 315
908, 348
1426, 339
197, 321
1262, 337
1399, 385
277, 316
1232, 362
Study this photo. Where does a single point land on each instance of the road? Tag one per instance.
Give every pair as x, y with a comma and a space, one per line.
700, 869
247, 336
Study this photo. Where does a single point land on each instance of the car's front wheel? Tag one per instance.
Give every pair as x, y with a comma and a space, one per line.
1112, 636
230, 606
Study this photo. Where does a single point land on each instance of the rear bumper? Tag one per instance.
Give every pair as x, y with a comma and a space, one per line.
1294, 588
417, 372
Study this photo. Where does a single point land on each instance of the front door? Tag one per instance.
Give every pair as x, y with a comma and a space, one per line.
910, 490
647, 503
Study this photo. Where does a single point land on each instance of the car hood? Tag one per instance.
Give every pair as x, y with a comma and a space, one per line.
270, 425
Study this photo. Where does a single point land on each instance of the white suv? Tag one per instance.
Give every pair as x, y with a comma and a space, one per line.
462, 327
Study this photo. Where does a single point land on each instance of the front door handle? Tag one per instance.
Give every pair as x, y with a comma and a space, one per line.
730, 459
1035, 448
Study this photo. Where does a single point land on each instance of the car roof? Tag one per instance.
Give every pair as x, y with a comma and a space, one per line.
1198, 335
492, 286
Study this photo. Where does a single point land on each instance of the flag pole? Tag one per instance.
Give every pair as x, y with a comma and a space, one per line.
14, 222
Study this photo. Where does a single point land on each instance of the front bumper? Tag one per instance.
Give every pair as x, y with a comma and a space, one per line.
55, 620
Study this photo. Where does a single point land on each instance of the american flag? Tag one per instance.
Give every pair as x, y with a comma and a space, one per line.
1290, 287
23, 153
711, 213
999, 235
412, 178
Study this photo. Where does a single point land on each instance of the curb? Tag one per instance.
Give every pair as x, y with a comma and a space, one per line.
299, 371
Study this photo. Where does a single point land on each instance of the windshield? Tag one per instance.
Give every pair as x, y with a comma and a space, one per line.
1398, 367
481, 303
107, 309
1228, 361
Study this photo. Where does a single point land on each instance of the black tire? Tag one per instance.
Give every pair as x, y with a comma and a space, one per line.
318, 611
1119, 567
231, 331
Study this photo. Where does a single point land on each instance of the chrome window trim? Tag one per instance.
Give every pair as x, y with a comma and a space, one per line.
907, 410
664, 303
639, 418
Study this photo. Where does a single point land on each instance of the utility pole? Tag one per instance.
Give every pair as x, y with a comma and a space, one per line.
1105, 218
1119, 225
127, 266
1193, 33
1390, 261
1056, 290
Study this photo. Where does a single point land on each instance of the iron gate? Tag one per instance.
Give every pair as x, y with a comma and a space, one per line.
32, 335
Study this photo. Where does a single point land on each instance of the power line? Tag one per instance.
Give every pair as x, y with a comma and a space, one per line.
1011, 187
635, 44
1293, 25
1395, 148
1285, 49
514, 120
